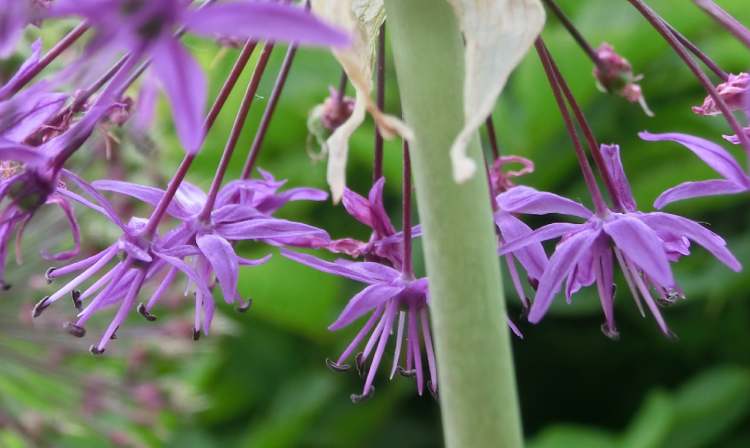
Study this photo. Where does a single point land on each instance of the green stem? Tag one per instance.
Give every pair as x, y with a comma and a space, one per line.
477, 382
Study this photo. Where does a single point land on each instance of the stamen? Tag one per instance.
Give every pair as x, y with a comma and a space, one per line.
77, 302
40, 307
413, 331
399, 339
245, 306
96, 350
144, 312
74, 329
357, 398
336, 367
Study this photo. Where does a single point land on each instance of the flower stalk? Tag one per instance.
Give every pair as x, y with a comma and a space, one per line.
477, 382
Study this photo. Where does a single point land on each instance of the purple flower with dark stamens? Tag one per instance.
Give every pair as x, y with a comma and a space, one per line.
735, 179
385, 243
388, 296
31, 178
641, 243
732, 91
146, 29
200, 249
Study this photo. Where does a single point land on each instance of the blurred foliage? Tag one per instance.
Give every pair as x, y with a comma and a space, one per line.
260, 379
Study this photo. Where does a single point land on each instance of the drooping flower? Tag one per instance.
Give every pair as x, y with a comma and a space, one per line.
31, 178
146, 29
614, 74
642, 243
732, 91
388, 295
734, 181
200, 248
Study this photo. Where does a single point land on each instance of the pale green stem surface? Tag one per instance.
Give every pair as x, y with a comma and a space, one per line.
475, 364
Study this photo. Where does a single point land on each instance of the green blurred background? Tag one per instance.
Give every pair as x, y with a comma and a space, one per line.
260, 379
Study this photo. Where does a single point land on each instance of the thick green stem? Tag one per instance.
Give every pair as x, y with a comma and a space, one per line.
477, 382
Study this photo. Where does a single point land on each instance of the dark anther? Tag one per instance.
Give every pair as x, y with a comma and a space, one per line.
48, 274
357, 398
336, 367
74, 329
534, 283
406, 373
40, 307
96, 350
5, 286
245, 306
196, 334
433, 390
359, 363
77, 302
611, 333
114, 333
144, 312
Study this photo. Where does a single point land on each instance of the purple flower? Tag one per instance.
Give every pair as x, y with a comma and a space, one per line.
385, 243
389, 295
642, 244
31, 178
200, 248
735, 180
146, 29
732, 91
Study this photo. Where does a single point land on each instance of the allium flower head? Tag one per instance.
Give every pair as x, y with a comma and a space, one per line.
388, 295
200, 247
735, 180
614, 74
642, 243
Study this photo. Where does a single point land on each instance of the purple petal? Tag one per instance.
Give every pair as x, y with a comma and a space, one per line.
263, 20
372, 273
544, 233
688, 190
611, 155
28, 64
223, 260
233, 213
358, 207
381, 223
189, 272
253, 262
13, 18
642, 246
185, 85
712, 154
522, 199
98, 198
368, 299
270, 229
149, 195
18, 152
28, 111
566, 256
696, 232
75, 232
532, 257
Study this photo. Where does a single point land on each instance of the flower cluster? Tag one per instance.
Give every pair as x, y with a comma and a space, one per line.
192, 234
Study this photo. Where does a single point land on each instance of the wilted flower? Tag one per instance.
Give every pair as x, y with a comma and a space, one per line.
614, 74
732, 91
